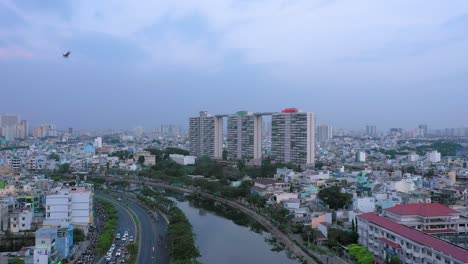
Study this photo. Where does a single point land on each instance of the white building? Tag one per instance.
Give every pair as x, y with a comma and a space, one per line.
98, 142
360, 156
405, 185
285, 196
58, 209
45, 247
82, 206
315, 176
384, 237
413, 157
72, 205
21, 220
183, 160
433, 156
364, 204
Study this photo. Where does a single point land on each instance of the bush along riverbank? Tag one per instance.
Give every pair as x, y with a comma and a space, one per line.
181, 238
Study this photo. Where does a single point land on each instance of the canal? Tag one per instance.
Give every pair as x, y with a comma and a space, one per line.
226, 236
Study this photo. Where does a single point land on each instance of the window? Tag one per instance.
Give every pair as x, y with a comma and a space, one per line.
23, 225
23, 218
438, 257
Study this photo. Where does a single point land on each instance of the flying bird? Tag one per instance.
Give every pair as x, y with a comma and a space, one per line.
66, 54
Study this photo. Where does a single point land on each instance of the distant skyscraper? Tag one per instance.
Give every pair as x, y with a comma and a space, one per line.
293, 137
371, 131
45, 131
324, 133
422, 130
9, 120
8, 125
22, 130
206, 135
396, 131
70, 130
244, 137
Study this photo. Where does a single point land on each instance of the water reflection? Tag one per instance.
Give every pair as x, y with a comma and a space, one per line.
227, 236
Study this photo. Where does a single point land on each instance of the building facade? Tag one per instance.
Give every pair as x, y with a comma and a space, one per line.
244, 137
324, 133
293, 137
384, 238
206, 135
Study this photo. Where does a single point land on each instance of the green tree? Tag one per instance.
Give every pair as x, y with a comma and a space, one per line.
334, 198
393, 260
411, 169
54, 156
361, 254
64, 168
78, 235
15, 260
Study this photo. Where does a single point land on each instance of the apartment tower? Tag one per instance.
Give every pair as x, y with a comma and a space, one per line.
293, 137
244, 137
206, 135
324, 133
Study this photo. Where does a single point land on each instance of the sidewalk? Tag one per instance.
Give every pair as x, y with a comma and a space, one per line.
82, 246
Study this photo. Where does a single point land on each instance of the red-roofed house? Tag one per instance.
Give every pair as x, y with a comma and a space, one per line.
432, 218
384, 237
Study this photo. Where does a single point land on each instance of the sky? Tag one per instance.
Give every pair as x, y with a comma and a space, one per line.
144, 63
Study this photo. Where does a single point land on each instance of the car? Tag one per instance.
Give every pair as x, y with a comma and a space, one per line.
118, 253
108, 258
119, 199
126, 233
131, 239
117, 236
124, 238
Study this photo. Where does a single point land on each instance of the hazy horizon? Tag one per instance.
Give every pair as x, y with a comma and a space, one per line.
353, 63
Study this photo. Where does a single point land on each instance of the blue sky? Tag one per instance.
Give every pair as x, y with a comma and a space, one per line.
389, 63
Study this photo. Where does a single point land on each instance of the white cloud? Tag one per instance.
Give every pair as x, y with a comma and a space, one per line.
278, 32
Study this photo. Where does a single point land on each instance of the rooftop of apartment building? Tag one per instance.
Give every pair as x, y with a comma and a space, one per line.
417, 236
423, 209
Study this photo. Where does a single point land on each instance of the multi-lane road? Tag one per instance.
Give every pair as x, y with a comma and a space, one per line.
153, 246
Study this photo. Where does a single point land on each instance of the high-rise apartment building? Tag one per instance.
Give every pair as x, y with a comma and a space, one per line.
45, 131
22, 130
8, 125
422, 130
206, 135
244, 137
9, 120
293, 137
371, 131
324, 133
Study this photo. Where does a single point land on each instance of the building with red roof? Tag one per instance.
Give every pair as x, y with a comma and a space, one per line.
384, 237
431, 218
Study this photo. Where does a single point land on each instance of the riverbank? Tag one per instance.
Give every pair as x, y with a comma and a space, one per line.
181, 238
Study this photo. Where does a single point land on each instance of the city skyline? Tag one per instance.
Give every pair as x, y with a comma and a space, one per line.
390, 64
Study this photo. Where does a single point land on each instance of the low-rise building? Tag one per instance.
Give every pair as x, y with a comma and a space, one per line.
430, 218
21, 220
183, 160
384, 237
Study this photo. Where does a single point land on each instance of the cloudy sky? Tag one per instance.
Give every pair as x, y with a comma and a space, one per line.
389, 63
